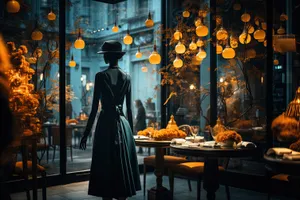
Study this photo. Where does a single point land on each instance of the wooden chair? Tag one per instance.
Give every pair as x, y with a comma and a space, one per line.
192, 170
56, 139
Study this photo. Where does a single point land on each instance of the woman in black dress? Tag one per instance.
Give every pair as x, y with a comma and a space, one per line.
114, 169
140, 119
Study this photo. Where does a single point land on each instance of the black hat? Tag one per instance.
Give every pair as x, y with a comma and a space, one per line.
111, 46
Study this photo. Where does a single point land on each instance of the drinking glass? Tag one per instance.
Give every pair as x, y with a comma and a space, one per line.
195, 131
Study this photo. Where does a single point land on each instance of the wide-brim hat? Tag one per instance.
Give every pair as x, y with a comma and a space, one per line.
111, 46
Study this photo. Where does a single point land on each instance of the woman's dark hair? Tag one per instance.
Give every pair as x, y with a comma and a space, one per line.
138, 102
113, 56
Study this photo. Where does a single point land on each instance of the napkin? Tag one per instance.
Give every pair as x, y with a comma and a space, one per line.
209, 144
178, 141
279, 151
292, 156
244, 144
196, 139
140, 137
194, 145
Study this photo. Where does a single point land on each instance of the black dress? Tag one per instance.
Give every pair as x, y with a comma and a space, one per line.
114, 169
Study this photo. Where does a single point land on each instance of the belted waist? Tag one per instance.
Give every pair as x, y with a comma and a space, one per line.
118, 109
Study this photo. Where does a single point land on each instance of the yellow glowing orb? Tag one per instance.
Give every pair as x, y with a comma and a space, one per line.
228, 53
201, 54
115, 29
79, 43
177, 35
13, 6
186, 14
180, 48
245, 17
222, 34
51, 16
202, 30
245, 38
127, 39
259, 34
193, 46
219, 49
177, 63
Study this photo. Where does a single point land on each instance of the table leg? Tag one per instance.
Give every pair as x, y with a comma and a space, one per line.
159, 192
211, 177
34, 169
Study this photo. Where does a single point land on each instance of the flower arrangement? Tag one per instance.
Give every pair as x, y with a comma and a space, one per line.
285, 128
228, 135
163, 134
24, 101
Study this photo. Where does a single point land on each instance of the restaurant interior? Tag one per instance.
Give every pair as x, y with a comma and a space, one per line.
218, 82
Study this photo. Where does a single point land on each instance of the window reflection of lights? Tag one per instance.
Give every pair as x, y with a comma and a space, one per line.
192, 87
57, 75
41, 77
102, 29
221, 80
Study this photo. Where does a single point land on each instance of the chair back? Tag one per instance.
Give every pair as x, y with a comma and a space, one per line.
56, 135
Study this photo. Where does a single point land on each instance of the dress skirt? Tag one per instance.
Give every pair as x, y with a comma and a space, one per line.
114, 169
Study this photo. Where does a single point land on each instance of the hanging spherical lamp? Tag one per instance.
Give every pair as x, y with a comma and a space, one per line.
154, 58
186, 14
127, 38
228, 52
36, 35
276, 61
245, 17
149, 22
72, 62
180, 48
138, 54
264, 26
219, 49
198, 22
79, 42
250, 28
281, 30
193, 46
234, 42
245, 38
202, 30
115, 28
177, 35
237, 6
201, 54
51, 16
200, 43
283, 17
12, 6
177, 63
259, 34
222, 34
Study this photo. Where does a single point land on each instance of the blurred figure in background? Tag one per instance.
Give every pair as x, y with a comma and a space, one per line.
140, 119
6, 120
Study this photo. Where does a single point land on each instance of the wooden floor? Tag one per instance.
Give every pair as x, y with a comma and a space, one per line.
78, 191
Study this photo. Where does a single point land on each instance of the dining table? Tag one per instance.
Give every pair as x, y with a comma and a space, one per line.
158, 192
211, 166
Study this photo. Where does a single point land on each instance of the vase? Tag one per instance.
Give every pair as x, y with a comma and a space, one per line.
227, 143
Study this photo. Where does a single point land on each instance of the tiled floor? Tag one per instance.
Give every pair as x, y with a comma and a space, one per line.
78, 191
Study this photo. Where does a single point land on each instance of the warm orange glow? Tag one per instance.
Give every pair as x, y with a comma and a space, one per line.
180, 48
51, 16
202, 30
154, 58
259, 34
245, 17
177, 63
186, 14
228, 53
177, 35
13, 6
149, 22
37, 35
222, 34
127, 39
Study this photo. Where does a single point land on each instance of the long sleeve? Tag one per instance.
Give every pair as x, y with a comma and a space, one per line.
96, 98
128, 106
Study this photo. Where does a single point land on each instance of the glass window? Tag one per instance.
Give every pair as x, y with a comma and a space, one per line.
144, 76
